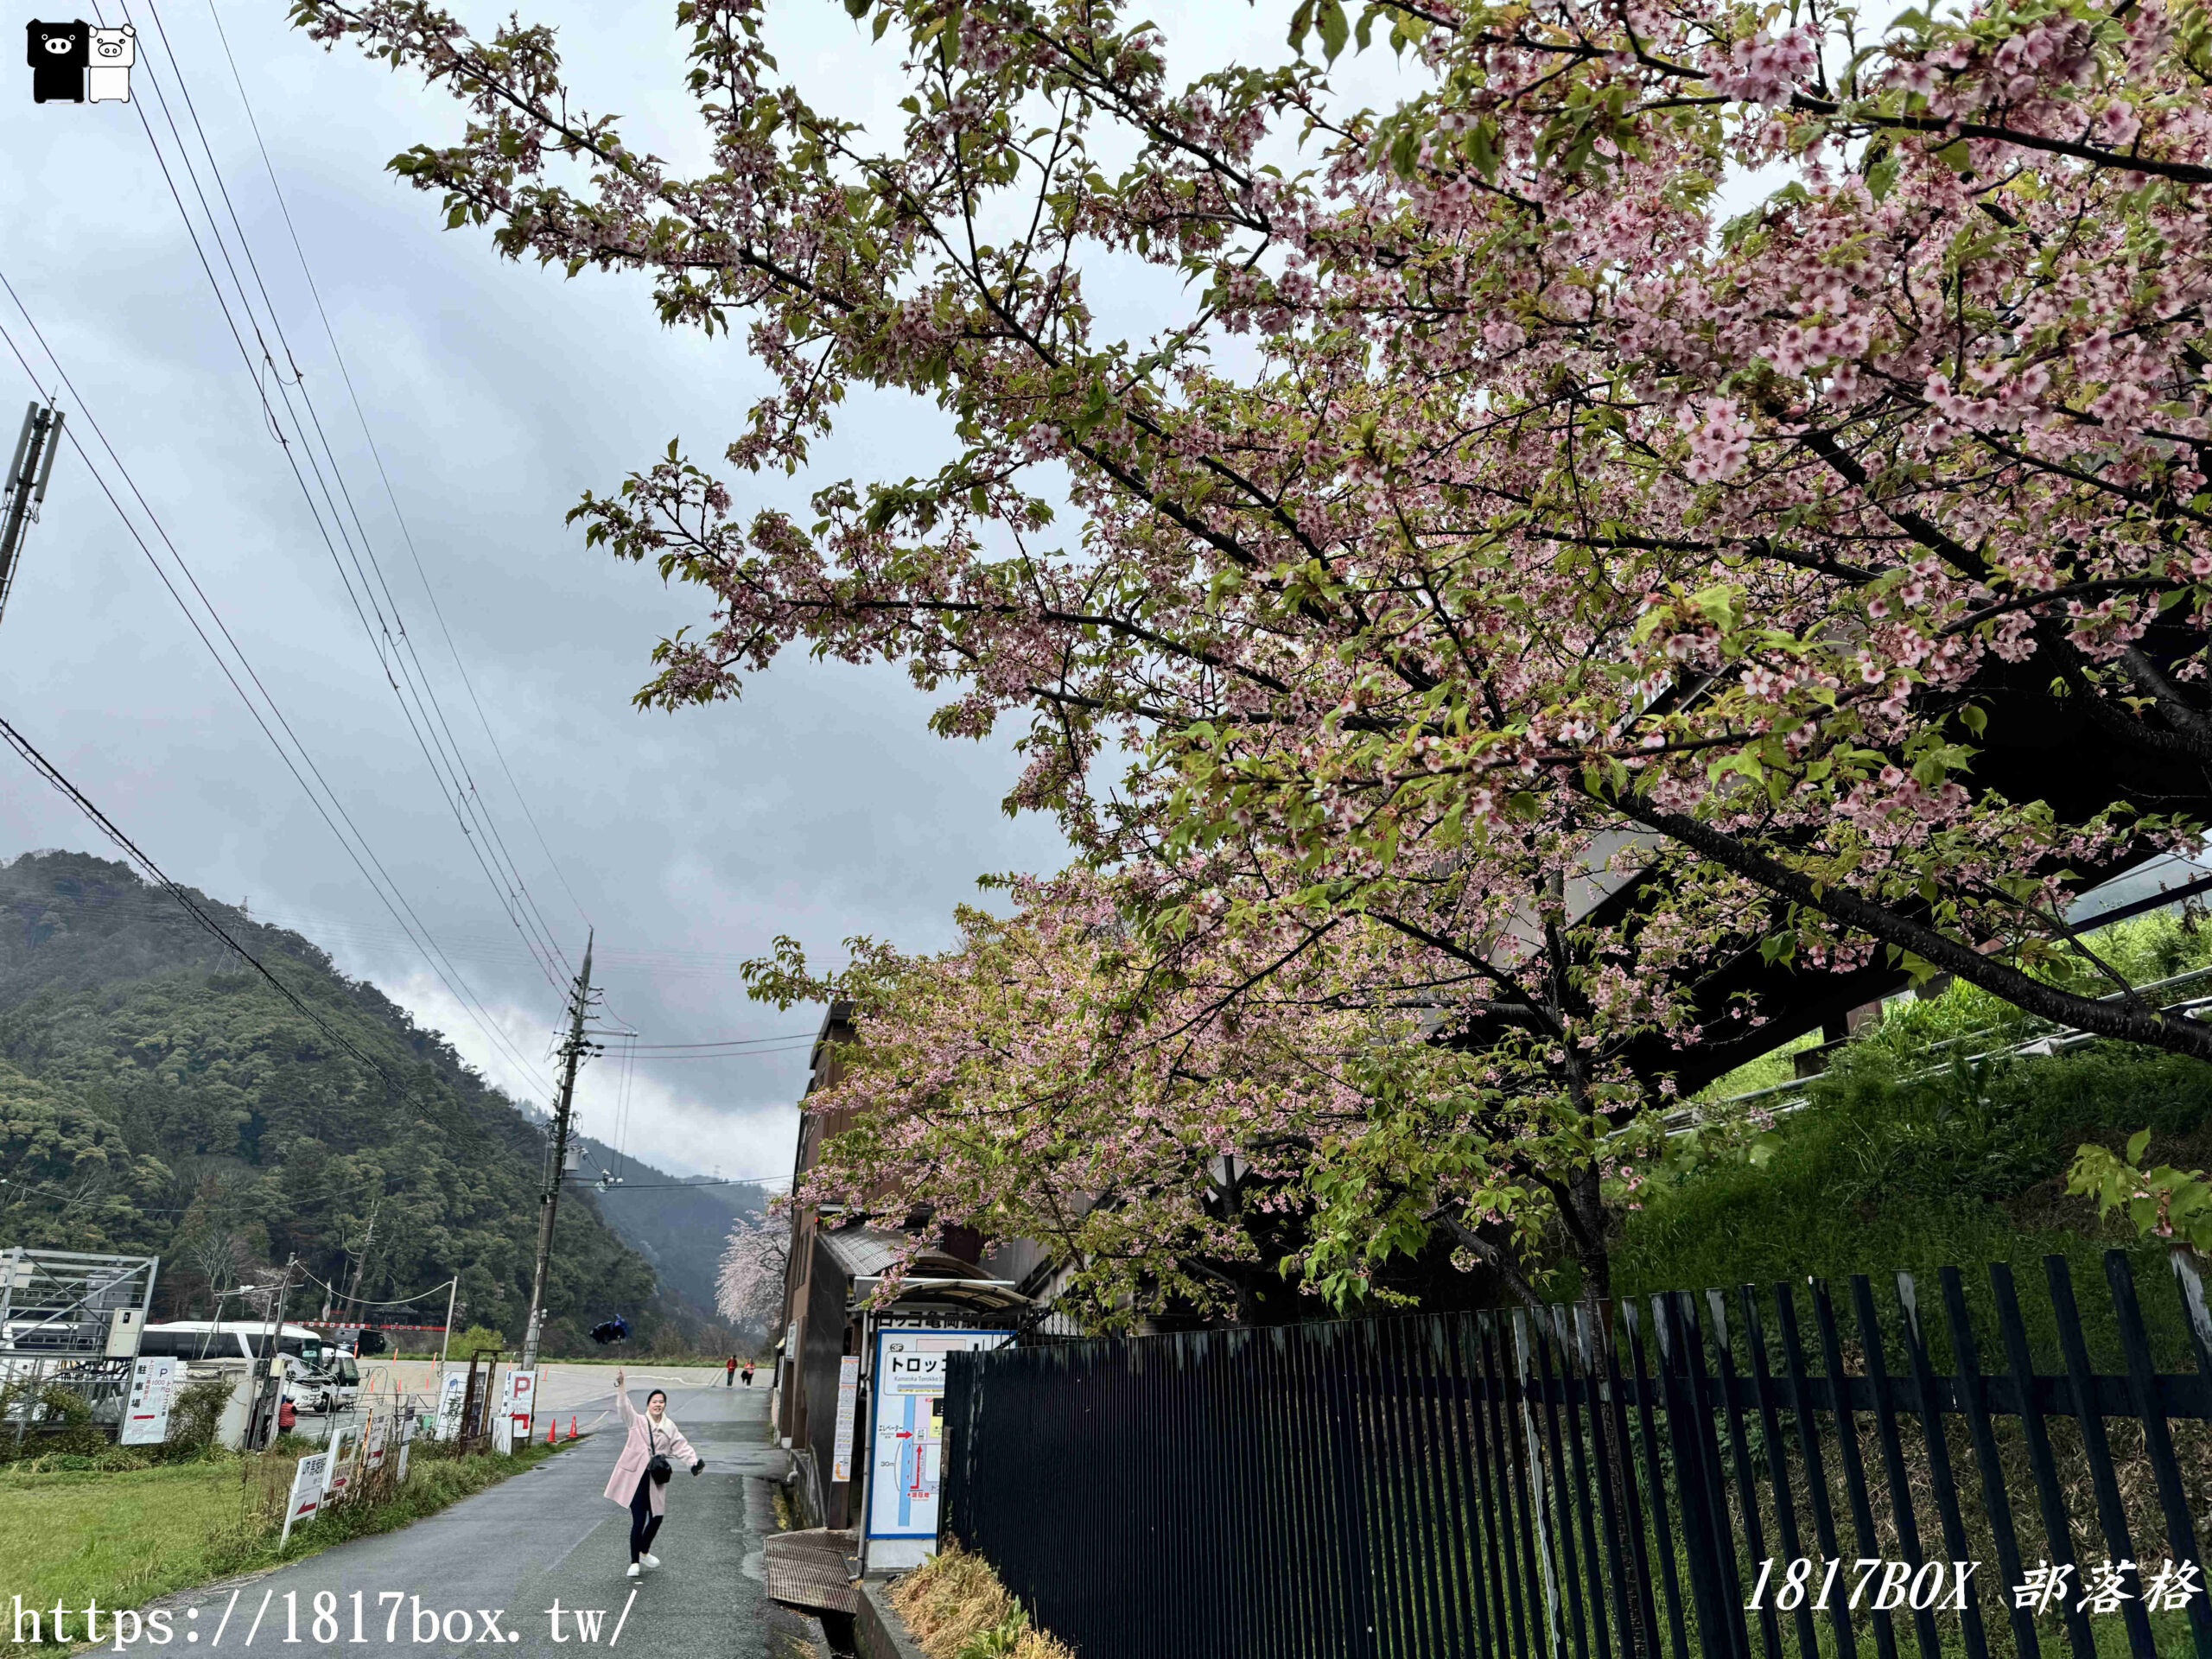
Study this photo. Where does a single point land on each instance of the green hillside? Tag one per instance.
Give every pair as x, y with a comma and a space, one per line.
1926, 1144
158, 1096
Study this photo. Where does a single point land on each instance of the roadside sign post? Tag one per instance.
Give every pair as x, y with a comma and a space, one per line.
848, 1392
344, 1443
307, 1492
519, 1401
450, 1406
146, 1417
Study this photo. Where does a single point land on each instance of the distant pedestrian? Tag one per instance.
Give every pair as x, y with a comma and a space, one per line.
639, 1482
748, 1373
729, 1371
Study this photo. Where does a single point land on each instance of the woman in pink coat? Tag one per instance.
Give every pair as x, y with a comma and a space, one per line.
655, 1433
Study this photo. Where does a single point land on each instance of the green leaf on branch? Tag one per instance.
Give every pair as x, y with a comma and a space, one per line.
1335, 30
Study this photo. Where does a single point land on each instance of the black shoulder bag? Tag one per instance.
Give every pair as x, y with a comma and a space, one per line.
659, 1469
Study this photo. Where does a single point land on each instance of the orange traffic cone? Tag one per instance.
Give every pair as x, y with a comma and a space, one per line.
551, 1423
572, 1428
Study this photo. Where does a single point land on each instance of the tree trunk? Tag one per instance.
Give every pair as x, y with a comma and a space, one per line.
1593, 1254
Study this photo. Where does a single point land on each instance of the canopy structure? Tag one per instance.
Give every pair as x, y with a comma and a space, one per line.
933, 1279
67, 1305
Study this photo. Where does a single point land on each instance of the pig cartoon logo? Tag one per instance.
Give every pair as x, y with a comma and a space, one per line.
59, 54
107, 80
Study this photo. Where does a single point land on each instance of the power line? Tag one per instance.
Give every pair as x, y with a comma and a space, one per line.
418, 934
447, 763
362, 415
434, 733
732, 1054
622, 1110
365, 1302
425, 690
488, 946
53, 775
655, 1186
409, 684
720, 1042
400, 1093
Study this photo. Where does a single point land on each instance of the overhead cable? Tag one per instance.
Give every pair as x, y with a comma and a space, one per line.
411, 924
49, 770
390, 495
402, 671
719, 1042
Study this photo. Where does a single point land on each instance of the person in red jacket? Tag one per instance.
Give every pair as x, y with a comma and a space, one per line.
729, 1371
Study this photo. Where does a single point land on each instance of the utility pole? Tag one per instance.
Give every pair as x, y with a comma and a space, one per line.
271, 1347
557, 1161
361, 1259
25, 488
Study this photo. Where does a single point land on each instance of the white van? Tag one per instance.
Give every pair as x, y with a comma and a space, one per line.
319, 1376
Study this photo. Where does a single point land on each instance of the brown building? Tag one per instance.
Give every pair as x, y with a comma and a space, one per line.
830, 1313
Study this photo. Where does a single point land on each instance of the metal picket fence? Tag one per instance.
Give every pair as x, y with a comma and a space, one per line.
1809, 1469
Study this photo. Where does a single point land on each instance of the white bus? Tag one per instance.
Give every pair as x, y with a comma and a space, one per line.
325, 1377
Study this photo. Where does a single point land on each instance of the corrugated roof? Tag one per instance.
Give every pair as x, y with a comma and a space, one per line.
869, 1253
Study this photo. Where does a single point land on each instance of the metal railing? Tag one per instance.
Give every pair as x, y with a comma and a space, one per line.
2028, 1034
1776, 1471
27, 1387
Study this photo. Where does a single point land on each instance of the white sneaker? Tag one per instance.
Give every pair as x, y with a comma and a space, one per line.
635, 1571
649, 1558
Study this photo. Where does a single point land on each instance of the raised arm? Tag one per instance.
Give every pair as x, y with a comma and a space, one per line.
622, 1397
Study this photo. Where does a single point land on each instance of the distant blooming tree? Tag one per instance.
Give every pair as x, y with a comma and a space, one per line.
749, 1277
1053, 1078
1512, 598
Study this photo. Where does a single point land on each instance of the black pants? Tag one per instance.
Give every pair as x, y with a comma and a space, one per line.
644, 1523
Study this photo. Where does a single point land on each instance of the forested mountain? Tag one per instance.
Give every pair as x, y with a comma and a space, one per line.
158, 1096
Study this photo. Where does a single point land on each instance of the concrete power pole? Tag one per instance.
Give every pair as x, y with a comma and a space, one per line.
352, 1297
557, 1161
271, 1347
25, 488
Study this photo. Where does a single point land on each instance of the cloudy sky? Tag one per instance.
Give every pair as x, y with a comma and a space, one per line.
820, 806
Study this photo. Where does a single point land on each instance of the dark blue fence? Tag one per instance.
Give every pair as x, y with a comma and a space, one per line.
1808, 1471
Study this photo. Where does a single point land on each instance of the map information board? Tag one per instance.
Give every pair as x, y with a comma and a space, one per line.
907, 1406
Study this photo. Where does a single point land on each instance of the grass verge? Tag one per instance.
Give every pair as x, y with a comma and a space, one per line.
122, 1538
956, 1607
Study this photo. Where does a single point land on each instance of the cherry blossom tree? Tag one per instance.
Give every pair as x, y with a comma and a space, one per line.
1511, 596
1481, 467
1472, 1062
749, 1277
1138, 1112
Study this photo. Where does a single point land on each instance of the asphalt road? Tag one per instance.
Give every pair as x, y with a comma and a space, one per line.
508, 1555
